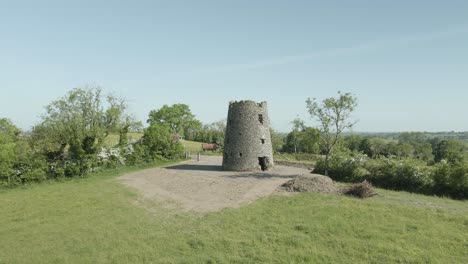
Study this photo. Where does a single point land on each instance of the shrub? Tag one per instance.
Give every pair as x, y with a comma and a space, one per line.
406, 174
343, 167
396, 174
451, 179
159, 143
112, 157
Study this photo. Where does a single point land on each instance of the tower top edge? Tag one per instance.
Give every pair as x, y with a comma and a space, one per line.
247, 102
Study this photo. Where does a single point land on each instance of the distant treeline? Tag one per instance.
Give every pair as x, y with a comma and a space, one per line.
69, 141
429, 163
463, 136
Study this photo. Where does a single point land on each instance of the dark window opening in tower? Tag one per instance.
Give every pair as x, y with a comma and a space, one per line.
262, 161
260, 118
263, 140
240, 154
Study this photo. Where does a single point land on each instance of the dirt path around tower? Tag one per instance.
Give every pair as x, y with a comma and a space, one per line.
204, 187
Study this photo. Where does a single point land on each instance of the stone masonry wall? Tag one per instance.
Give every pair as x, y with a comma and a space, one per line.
247, 144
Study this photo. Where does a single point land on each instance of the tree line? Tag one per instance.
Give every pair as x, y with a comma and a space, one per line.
69, 139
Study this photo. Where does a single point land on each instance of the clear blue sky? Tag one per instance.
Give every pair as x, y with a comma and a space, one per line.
406, 61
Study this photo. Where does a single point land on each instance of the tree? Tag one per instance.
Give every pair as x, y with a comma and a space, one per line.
118, 120
75, 120
79, 122
298, 125
212, 133
405, 150
332, 115
365, 147
8, 138
378, 147
353, 142
423, 151
302, 139
159, 142
451, 150
309, 139
178, 116
18, 162
277, 140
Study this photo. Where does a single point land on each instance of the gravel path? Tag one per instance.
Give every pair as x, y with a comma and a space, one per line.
204, 187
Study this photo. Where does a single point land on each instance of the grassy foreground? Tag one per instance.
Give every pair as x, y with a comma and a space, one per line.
96, 220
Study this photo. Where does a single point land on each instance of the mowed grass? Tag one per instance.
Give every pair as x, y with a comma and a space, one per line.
97, 220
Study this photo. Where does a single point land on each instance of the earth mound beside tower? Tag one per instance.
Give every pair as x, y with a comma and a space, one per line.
247, 144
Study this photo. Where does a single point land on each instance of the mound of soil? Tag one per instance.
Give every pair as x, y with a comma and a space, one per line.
360, 190
311, 183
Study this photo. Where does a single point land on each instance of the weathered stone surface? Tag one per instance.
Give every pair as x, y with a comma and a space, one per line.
247, 144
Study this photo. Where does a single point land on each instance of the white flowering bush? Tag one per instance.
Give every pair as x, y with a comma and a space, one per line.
114, 156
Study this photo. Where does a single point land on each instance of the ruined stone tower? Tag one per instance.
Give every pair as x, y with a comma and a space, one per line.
247, 144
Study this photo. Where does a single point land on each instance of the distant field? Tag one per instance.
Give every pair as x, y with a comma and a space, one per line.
113, 139
194, 147
300, 157
97, 220
190, 146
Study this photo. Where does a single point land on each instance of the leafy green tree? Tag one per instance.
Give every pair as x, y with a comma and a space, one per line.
302, 140
378, 147
118, 120
8, 138
178, 116
298, 125
451, 150
211, 133
353, 142
18, 162
277, 140
392, 149
75, 125
423, 151
365, 147
159, 142
75, 120
309, 139
405, 150
333, 116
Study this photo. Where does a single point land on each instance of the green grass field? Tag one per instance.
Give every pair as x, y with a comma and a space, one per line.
113, 139
300, 157
190, 146
97, 220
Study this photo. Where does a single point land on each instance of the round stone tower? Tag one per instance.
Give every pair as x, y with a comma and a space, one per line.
247, 144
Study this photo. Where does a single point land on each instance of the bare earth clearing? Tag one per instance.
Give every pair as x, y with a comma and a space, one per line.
204, 187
